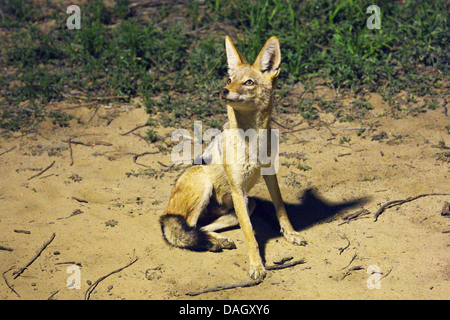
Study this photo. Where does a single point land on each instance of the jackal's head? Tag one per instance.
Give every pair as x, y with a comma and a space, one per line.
250, 87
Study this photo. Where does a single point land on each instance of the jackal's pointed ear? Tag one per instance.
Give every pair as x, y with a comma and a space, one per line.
234, 57
269, 58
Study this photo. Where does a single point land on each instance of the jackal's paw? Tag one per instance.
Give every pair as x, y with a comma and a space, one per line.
226, 243
257, 272
220, 243
294, 237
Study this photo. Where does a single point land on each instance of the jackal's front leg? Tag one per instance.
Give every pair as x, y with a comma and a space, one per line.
257, 270
285, 225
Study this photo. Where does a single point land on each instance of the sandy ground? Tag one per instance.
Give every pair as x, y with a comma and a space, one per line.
104, 212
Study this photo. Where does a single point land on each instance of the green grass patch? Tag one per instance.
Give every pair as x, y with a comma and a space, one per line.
173, 55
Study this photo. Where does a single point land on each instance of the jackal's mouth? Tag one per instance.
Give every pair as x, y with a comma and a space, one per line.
232, 100
228, 100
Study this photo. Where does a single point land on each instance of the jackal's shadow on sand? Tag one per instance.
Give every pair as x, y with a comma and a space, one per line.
311, 210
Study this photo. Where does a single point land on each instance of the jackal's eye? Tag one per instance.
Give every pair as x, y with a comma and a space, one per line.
249, 83
228, 81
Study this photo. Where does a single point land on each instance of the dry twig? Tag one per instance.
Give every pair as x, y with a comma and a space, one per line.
276, 122
245, 284
346, 247
225, 287
92, 287
355, 216
38, 174
390, 204
357, 128
52, 295
90, 144
7, 283
347, 273
80, 200
71, 152
10, 149
351, 260
38, 253
22, 231
286, 265
136, 156
134, 129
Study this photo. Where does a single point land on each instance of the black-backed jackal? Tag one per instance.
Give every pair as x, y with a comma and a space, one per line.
220, 189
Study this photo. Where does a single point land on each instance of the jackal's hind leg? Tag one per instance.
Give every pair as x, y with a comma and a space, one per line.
227, 220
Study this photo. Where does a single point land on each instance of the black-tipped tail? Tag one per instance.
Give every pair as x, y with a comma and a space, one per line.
178, 233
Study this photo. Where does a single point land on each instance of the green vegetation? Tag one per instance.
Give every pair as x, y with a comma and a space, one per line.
172, 55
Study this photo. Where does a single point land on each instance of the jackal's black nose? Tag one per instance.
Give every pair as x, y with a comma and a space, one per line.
224, 92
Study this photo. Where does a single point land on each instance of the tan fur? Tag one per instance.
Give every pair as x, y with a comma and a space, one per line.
221, 189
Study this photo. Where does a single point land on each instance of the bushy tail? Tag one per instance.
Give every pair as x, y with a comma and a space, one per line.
178, 233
